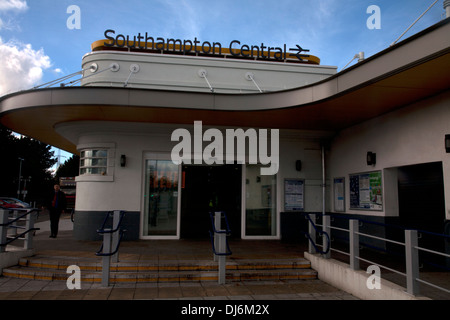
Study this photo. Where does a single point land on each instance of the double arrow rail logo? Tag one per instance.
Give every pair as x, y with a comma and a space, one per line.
298, 53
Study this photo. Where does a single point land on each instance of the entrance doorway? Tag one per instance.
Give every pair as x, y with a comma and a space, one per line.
422, 204
421, 196
208, 189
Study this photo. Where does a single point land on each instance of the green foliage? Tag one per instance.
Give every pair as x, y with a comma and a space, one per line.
37, 162
70, 168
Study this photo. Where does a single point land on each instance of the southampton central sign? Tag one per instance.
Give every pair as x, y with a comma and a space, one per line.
235, 48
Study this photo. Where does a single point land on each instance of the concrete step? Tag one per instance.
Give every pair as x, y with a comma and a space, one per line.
89, 264
161, 276
55, 269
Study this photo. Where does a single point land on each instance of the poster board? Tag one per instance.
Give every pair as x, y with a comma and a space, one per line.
366, 191
294, 192
339, 194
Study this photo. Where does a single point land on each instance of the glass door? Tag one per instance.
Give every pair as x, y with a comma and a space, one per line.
161, 193
260, 217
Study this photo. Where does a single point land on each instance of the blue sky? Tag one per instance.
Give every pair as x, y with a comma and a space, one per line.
38, 46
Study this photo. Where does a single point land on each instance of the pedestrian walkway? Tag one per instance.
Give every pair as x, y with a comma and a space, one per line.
22, 289
66, 246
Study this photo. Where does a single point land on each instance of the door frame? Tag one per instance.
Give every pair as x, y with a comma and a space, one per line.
277, 235
161, 156
165, 156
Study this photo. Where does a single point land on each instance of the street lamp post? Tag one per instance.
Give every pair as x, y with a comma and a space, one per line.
25, 191
20, 177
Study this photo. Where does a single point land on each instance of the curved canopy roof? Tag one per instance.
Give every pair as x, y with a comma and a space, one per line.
412, 70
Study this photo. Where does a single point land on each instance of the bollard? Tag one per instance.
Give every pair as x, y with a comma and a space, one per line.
115, 235
326, 223
28, 243
412, 261
217, 226
13, 228
106, 259
354, 244
111, 239
4, 214
220, 247
312, 234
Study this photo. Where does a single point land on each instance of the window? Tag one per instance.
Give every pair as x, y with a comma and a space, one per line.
94, 161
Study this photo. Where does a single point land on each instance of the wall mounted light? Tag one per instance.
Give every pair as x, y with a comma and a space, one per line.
371, 158
123, 160
447, 143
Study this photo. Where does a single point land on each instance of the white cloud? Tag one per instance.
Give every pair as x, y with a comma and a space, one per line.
8, 11
22, 67
19, 5
9, 24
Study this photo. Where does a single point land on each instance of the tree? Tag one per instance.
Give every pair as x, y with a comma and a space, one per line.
35, 176
70, 168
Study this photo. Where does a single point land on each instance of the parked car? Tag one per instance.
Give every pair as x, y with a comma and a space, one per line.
7, 202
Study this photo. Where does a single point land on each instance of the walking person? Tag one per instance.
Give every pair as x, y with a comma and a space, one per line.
57, 205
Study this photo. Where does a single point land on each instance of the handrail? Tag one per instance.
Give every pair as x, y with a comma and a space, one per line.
321, 233
102, 230
18, 218
17, 237
110, 238
228, 253
413, 274
227, 232
9, 223
99, 253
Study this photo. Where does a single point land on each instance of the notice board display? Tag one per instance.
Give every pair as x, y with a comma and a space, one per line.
366, 191
294, 194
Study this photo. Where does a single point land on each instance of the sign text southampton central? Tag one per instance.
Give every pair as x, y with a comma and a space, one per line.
146, 42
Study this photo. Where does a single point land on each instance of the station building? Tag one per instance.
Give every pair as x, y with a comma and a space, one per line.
169, 130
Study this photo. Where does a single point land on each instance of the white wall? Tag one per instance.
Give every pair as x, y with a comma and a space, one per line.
123, 191
354, 282
175, 72
307, 149
411, 135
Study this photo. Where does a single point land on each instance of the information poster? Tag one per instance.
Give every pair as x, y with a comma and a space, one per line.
294, 195
366, 191
339, 194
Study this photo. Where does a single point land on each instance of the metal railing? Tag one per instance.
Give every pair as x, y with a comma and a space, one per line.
112, 238
219, 242
408, 255
216, 222
10, 224
312, 237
